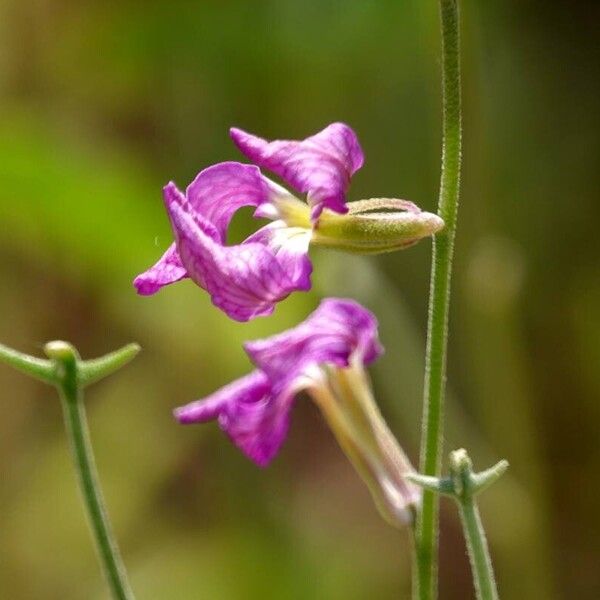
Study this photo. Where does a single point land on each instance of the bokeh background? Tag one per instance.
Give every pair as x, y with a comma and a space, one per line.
101, 103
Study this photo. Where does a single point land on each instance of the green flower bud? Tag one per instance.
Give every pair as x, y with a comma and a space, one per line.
375, 226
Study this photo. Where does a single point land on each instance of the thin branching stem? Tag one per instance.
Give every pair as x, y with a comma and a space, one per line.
71, 394
479, 554
426, 532
69, 374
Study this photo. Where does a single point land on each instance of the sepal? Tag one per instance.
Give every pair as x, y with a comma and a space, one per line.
376, 226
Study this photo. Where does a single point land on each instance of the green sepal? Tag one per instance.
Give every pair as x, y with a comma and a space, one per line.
375, 226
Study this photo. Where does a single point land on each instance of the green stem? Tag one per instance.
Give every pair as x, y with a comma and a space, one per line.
77, 430
479, 554
426, 532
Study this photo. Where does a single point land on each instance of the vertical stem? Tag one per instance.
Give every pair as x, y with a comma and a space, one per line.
426, 532
79, 438
479, 554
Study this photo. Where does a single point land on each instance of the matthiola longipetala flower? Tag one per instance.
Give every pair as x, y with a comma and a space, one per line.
248, 279
325, 357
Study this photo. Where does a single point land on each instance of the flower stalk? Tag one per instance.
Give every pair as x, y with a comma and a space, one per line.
426, 531
69, 374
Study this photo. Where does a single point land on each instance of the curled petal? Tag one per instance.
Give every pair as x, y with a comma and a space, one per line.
256, 421
336, 331
214, 196
290, 246
219, 191
167, 270
244, 281
320, 166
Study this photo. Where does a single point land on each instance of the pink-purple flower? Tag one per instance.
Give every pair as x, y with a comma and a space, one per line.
247, 280
254, 411
323, 356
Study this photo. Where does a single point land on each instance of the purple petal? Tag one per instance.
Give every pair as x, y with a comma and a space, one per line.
290, 246
167, 270
256, 421
320, 166
219, 191
337, 330
215, 195
244, 281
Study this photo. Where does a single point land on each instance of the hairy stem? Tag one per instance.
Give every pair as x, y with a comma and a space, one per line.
479, 554
83, 457
426, 532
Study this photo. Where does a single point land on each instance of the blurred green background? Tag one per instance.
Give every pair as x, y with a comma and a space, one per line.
101, 103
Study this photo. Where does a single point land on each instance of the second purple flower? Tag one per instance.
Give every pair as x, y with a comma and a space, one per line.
324, 356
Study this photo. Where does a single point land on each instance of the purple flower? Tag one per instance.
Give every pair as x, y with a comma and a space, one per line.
254, 411
323, 356
248, 279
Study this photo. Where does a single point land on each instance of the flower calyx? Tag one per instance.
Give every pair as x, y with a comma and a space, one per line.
375, 226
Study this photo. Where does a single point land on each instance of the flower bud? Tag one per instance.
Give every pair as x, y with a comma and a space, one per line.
61, 351
375, 226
